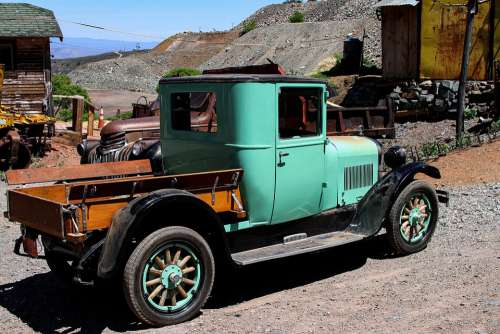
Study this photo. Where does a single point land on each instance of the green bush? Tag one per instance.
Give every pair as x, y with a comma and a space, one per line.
62, 85
470, 113
179, 72
318, 75
123, 115
248, 26
296, 17
434, 149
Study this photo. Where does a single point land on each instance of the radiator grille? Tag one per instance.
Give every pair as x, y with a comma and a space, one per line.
358, 176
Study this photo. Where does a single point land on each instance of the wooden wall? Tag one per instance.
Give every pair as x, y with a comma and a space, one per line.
26, 88
400, 42
32, 54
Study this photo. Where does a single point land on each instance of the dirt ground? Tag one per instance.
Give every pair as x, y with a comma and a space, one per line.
59, 156
477, 165
453, 286
112, 100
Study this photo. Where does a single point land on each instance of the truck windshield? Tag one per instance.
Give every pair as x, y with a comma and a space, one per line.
194, 111
299, 112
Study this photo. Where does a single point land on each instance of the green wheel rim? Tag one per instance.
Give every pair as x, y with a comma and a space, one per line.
171, 277
414, 218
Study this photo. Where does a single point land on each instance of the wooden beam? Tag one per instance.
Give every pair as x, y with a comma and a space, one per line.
77, 114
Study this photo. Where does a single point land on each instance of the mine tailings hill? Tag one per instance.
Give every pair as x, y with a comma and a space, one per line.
140, 71
301, 48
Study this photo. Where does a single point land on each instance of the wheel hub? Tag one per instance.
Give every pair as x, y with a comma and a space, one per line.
416, 216
171, 276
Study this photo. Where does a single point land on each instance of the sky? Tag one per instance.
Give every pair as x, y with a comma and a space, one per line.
154, 20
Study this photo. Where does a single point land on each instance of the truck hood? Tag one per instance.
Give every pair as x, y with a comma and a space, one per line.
354, 146
130, 125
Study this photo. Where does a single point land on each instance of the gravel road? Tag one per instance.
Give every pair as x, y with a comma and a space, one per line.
451, 287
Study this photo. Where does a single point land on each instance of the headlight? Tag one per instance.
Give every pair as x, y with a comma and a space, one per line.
395, 157
137, 148
82, 147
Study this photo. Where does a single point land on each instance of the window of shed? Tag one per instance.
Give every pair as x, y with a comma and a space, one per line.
6, 56
300, 112
194, 111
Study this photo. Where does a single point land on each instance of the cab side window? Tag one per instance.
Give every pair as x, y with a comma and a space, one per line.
299, 112
194, 111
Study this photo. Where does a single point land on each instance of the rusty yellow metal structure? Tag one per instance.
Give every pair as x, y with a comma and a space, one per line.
442, 39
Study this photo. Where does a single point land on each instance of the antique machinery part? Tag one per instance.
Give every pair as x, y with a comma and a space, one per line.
13, 151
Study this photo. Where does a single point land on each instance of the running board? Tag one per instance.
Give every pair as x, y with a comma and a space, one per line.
301, 246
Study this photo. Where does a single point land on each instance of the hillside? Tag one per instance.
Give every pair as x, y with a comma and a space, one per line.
302, 47
299, 47
141, 71
314, 11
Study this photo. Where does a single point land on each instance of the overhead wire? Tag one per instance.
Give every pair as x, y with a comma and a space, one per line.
92, 26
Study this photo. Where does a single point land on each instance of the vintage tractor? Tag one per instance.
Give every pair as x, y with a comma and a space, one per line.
260, 180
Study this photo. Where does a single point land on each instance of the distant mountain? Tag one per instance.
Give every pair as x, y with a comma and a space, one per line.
73, 47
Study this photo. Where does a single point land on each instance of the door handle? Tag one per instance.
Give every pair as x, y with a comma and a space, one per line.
282, 155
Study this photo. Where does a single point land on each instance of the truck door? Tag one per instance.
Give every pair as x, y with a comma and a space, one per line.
300, 154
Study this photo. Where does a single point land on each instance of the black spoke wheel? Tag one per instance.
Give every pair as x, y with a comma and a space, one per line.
413, 218
169, 276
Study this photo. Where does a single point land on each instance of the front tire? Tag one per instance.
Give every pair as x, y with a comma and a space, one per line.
413, 218
169, 276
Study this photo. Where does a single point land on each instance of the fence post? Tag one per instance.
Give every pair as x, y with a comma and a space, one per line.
77, 113
90, 125
496, 117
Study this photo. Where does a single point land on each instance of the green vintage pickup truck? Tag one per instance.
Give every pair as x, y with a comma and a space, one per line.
261, 179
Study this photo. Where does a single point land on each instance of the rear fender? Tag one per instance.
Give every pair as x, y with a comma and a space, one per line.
130, 219
374, 206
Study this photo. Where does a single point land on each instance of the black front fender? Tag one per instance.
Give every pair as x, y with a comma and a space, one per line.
127, 219
374, 206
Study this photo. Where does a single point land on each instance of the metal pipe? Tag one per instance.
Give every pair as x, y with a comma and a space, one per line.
471, 11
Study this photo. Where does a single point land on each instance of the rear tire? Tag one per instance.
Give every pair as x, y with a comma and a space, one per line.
413, 218
169, 276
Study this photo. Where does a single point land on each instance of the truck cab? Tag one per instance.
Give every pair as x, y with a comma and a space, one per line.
274, 128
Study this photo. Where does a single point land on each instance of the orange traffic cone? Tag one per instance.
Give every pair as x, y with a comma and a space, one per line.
101, 119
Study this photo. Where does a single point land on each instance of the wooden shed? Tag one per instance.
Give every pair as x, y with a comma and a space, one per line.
25, 32
424, 39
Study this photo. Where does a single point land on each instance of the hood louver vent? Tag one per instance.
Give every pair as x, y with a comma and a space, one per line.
358, 177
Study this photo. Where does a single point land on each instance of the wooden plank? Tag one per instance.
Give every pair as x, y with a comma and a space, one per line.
77, 114
81, 172
127, 186
90, 123
38, 213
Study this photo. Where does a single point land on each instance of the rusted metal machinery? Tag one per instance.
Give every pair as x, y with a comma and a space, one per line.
375, 122
144, 109
21, 135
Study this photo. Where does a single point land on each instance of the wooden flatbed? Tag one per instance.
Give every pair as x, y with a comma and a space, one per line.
85, 199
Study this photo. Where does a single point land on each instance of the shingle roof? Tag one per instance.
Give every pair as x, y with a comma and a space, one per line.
25, 20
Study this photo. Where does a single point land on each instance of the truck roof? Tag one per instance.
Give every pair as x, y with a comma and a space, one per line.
237, 78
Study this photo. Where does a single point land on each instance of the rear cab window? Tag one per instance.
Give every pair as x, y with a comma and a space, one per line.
194, 111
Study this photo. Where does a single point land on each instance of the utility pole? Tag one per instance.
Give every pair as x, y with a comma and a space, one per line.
472, 8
